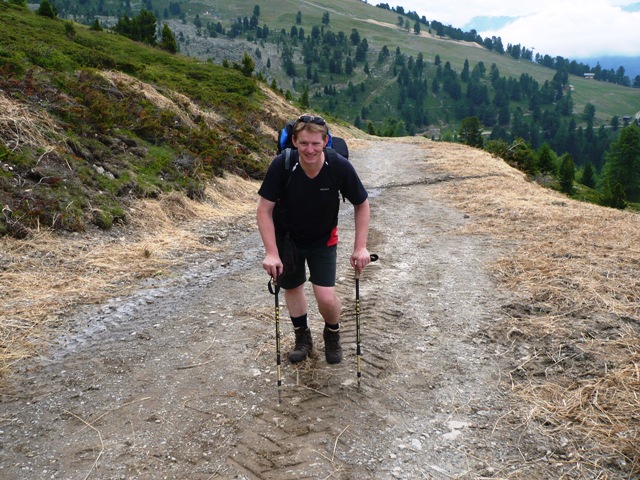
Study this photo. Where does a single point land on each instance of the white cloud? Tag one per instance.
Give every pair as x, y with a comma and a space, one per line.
576, 31
569, 29
459, 12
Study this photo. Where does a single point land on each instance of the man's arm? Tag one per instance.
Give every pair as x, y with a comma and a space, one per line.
271, 263
360, 257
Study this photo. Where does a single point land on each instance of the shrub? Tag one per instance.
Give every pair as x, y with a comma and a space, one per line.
613, 197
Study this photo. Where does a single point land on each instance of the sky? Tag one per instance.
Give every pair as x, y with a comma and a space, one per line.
572, 29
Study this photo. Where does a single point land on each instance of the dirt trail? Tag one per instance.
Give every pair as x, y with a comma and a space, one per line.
178, 380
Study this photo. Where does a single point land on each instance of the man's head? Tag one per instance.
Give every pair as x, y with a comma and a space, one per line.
310, 136
312, 124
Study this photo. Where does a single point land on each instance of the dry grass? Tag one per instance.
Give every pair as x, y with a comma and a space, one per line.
44, 277
20, 126
577, 268
604, 411
572, 257
180, 105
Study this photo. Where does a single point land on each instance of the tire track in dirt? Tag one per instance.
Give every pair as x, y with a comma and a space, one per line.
312, 412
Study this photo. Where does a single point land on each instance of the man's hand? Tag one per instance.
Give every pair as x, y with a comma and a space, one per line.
360, 258
273, 265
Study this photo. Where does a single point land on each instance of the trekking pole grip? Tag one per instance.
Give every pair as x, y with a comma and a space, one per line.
274, 286
373, 257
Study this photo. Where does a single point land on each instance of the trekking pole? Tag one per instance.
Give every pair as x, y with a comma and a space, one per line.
274, 288
373, 257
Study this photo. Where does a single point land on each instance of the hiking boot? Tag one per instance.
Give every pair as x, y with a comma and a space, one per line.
303, 347
332, 347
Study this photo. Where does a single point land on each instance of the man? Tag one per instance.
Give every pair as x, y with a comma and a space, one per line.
300, 202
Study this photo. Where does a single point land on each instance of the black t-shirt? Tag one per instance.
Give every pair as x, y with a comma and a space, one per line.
308, 207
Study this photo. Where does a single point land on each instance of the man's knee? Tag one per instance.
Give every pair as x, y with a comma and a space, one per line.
326, 296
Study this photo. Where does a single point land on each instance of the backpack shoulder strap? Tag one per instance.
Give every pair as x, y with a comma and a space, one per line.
331, 157
290, 156
287, 159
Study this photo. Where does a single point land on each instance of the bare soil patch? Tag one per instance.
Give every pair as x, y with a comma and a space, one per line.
500, 334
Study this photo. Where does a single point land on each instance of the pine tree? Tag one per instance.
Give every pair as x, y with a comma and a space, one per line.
613, 197
248, 65
304, 98
623, 162
547, 160
95, 26
471, 132
69, 30
567, 174
588, 178
47, 10
168, 41
145, 24
464, 75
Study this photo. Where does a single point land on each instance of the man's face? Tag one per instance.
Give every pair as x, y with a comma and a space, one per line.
310, 145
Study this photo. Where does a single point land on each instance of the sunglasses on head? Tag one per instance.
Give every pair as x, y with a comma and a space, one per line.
311, 119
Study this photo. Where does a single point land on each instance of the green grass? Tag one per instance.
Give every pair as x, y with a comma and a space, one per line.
113, 144
589, 195
37, 41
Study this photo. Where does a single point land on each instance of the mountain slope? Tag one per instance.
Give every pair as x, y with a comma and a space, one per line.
91, 120
380, 27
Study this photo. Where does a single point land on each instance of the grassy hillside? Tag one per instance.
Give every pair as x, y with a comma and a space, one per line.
91, 120
424, 84
380, 28
377, 25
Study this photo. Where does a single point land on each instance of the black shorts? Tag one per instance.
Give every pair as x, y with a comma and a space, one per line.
322, 267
